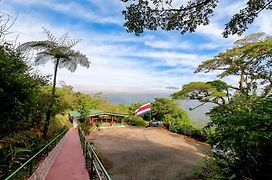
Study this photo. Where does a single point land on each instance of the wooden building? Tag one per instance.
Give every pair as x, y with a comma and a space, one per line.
98, 117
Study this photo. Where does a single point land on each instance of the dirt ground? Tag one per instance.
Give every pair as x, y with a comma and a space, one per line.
147, 153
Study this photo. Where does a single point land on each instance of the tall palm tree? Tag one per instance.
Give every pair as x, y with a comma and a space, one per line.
63, 56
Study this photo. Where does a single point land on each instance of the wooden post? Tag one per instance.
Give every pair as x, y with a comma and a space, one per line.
112, 120
92, 119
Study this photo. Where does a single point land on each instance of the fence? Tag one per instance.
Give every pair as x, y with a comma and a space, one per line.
93, 163
29, 164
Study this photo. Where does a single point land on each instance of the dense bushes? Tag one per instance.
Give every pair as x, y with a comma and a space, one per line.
23, 97
18, 148
58, 123
136, 121
243, 139
17, 91
241, 124
190, 131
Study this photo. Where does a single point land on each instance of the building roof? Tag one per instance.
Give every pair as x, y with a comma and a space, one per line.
74, 114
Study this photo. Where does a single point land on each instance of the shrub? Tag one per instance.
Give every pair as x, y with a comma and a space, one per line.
189, 131
176, 129
199, 135
136, 121
57, 123
243, 130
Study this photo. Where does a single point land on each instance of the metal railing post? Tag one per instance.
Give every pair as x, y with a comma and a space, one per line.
92, 164
86, 152
46, 151
30, 167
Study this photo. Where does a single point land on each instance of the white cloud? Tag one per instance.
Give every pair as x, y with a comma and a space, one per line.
227, 8
166, 44
264, 23
109, 68
122, 62
106, 5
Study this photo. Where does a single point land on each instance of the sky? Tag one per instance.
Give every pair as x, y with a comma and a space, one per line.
125, 67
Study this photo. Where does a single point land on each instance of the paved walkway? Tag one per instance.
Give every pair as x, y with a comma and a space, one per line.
69, 164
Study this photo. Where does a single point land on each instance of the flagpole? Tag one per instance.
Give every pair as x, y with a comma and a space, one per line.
150, 114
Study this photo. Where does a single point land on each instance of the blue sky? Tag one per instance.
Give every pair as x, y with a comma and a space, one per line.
124, 65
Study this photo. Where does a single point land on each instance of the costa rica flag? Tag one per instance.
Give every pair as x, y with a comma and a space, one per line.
143, 109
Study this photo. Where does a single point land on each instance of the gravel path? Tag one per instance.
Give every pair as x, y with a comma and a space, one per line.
147, 153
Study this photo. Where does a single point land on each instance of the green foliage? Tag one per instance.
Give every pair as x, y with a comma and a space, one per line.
24, 100
98, 101
165, 106
84, 118
133, 107
61, 53
19, 92
58, 123
190, 131
170, 112
18, 148
87, 128
81, 99
243, 131
240, 129
213, 168
250, 59
151, 15
219, 85
136, 121
64, 98
212, 91
193, 89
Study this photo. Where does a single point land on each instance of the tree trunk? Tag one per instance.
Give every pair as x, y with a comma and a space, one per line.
49, 111
54, 82
47, 121
228, 95
242, 80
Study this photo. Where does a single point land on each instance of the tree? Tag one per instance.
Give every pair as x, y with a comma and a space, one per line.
6, 22
18, 91
61, 53
241, 128
212, 91
133, 107
242, 135
154, 14
250, 59
169, 111
85, 100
